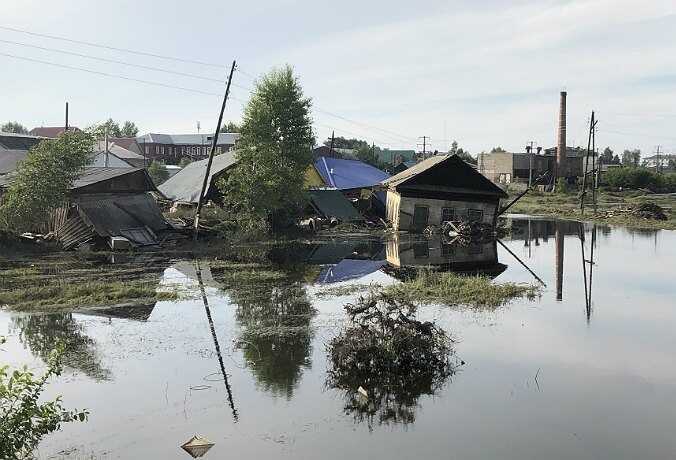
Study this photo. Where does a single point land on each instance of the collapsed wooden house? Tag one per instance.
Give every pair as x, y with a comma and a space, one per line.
439, 189
113, 205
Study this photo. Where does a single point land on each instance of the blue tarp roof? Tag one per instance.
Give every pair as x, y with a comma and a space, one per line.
349, 269
348, 174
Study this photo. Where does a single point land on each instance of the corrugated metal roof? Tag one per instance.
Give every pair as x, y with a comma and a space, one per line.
119, 214
95, 175
186, 185
113, 161
10, 158
117, 150
14, 141
415, 170
348, 174
332, 203
188, 139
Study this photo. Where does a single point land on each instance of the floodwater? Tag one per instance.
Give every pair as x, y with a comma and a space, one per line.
587, 370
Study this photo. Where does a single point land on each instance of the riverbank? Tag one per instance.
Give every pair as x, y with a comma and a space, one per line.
567, 206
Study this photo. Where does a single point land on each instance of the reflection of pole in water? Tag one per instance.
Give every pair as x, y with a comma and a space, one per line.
213, 335
521, 262
588, 282
558, 237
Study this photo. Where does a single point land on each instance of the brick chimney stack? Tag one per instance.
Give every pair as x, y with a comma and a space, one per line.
561, 144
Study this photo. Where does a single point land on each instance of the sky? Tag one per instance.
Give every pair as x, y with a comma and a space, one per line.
485, 73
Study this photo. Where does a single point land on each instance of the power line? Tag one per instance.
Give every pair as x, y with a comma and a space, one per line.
113, 61
124, 50
111, 75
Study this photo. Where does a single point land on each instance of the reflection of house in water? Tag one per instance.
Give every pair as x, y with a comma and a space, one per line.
477, 257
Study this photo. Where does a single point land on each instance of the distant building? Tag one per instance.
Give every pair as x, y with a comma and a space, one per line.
51, 131
663, 161
508, 167
171, 148
439, 189
13, 141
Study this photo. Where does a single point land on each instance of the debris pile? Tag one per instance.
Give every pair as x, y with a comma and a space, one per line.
648, 210
386, 359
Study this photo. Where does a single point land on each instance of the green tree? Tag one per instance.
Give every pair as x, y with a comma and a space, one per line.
607, 156
13, 127
230, 127
158, 172
616, 160
454, 148
24, 418
129, 129
631, 157
498, 149
185, 161
43, 180
110, 127
266, 190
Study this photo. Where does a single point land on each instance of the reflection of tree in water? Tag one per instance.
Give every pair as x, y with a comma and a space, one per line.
394, 357
40, 333
276, 334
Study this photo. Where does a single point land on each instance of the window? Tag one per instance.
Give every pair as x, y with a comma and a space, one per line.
475, 215
147, 150
447, 214
218, 150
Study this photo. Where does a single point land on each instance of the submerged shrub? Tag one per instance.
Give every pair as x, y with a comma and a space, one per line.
390, 354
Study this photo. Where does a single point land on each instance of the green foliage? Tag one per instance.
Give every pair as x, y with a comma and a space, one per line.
562, 185
608, 157
129, 129
265, 191
464, 154
231, 127
631, 157
185, 161
43, 180
498, 149
112, 128
13, 127
640, 178
158, 172
24, 419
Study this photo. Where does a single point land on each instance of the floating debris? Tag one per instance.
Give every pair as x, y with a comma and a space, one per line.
197, 446
397, 357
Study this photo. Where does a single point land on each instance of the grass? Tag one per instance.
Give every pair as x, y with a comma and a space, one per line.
92, 293
452, 289
348, 289
64, 281
567, 206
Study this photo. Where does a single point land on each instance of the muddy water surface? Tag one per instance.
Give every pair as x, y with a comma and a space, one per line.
559, 377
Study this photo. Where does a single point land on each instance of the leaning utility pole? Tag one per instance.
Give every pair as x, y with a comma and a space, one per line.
211, 153
529, 151
333, 138
591, 150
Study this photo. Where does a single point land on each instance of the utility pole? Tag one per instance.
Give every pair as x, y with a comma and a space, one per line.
424, 145
205, 183
333, 138
591, 149
529, 151
66, 126
658, 165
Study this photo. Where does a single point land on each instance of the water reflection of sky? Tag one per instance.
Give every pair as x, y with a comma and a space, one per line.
605, 387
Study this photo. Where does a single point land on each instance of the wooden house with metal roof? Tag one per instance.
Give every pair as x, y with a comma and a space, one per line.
439, 189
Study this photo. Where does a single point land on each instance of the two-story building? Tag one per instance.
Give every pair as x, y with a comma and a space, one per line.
171, 148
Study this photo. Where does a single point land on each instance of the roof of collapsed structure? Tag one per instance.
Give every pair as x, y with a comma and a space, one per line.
348, 174
186, 185
447, 173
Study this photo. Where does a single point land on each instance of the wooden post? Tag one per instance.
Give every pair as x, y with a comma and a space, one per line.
205, 183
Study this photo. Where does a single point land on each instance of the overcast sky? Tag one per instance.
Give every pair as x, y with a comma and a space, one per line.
485, 73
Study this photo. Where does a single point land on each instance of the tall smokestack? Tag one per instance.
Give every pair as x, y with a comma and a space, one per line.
561, 144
